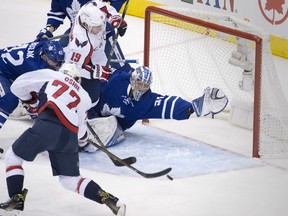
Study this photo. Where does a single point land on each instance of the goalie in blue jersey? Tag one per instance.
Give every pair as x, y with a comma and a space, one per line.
126, 97
17, 60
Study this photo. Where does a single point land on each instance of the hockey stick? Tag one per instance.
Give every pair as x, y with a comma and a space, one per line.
117, 34
129, 160
125, 60
115, 158
58, 36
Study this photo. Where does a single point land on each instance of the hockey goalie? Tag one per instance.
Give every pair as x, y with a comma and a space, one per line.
127, 97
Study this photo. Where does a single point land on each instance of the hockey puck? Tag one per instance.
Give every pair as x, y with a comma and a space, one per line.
169, 177
1, 151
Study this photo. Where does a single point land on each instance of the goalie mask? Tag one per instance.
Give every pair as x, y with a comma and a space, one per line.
71, 70
140, 80
92, 18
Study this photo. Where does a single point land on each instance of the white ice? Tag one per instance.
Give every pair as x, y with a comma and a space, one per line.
213, 171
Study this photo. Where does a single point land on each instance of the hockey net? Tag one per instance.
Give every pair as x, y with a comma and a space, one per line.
188, 50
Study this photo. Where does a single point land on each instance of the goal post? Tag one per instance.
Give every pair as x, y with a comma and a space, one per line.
188, 50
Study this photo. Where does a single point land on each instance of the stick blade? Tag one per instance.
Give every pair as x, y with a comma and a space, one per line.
156, 174
129, 160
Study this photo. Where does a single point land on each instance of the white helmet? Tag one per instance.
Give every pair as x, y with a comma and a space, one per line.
91, 16
71, 70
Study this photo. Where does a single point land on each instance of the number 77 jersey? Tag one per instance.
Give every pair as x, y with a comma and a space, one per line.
57, 91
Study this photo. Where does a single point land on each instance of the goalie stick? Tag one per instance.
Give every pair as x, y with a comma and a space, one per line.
115, 158
129, 160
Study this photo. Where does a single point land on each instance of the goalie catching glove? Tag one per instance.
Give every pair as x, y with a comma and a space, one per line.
212, 101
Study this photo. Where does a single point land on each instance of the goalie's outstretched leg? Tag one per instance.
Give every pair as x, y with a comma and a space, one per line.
212, 101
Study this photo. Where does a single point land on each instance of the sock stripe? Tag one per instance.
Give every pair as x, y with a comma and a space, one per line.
82, 184
14, 170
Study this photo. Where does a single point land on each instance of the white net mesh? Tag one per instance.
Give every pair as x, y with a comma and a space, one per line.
186, 58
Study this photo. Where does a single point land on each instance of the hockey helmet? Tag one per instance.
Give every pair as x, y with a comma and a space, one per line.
140, 80
92, 18
54, 52
71, 70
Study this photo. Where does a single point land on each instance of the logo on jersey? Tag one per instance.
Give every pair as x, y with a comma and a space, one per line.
127, 100
274, 11
107, 111
78, 44
72, 12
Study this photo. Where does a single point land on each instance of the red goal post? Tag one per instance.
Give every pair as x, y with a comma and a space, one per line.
169, 31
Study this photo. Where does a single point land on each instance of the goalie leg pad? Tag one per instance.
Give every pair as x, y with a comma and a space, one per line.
108, 130
212, 101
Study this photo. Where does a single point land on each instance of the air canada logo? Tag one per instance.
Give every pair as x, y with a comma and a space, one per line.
274, 11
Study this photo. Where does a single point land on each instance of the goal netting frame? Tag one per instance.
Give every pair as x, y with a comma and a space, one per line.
270, 116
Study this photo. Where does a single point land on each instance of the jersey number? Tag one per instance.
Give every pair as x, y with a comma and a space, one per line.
13, 60
75, 57
158, 101
63, 88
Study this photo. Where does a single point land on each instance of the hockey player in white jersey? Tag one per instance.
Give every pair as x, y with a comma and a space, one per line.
61, 104
66, 8
87, 43
70, 8
128, 97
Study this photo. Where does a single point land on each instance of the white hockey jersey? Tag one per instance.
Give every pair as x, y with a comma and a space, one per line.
86, 49
60, 92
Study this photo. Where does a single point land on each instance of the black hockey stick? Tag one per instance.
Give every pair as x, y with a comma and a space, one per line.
129, 160
117, 35
115, 158
59, 36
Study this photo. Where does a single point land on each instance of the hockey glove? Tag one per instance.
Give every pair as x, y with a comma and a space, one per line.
84, 145
106, 72
43, 35
122, 29
32, 110
32, 105
101, 72
115, 21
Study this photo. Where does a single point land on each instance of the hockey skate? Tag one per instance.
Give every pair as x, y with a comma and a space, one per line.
212, 101
117, 208
14, 205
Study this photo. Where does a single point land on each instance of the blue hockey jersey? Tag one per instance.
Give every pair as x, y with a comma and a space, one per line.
21, 59
116, 99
